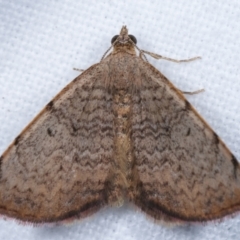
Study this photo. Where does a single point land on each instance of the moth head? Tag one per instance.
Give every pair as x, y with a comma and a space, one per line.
123, 42
124, 38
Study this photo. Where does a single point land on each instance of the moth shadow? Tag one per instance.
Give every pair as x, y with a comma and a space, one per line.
87, 227
188, 230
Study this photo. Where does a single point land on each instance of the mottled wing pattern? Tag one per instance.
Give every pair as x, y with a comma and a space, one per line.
58, 167
182, 170
119, 130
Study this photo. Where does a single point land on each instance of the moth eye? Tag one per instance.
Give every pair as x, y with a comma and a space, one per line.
133, 38
114, 39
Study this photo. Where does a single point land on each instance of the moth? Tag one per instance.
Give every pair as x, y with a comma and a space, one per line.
120, 131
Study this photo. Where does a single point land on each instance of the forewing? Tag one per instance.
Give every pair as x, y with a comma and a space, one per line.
57, 168
182, 170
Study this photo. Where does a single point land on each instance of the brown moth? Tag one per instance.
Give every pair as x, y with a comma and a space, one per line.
119, 131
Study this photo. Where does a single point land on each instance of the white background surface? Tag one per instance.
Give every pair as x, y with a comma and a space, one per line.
40, 43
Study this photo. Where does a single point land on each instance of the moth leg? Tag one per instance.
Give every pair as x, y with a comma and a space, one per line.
78, 69
142, 56
194, 92
156, 56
